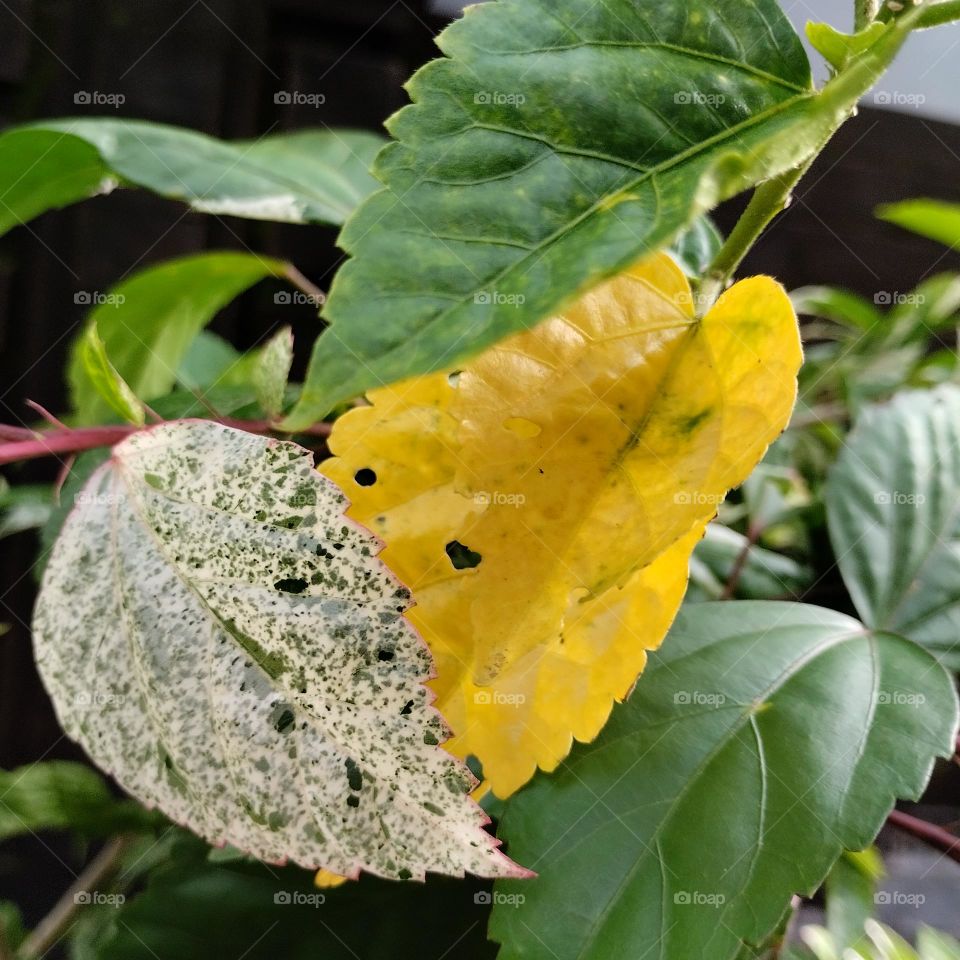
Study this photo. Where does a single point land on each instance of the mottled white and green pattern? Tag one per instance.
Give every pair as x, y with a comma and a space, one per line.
228, 646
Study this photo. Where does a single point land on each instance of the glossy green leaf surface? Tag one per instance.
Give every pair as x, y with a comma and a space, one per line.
893, 505
516, 183
762, 740
310, 176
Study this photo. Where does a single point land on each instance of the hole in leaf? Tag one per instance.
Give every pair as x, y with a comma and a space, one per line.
365, 477
384, 656
292, 585
462, 558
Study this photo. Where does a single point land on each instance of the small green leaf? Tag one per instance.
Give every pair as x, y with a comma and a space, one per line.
64, 796
272, 370
695, 248
762, 740
211, 628
311, 176
148, 322
893, 508
24, 508
103, 377
839, 48
935, 219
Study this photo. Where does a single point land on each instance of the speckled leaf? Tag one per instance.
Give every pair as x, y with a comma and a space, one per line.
220, 639
310, 176
543, 503
893, 505
560, 141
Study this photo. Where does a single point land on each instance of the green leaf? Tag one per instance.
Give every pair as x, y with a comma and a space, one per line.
44, 170
839, 48
104, 379
311, 176
197, 910
935, 219
148, 322
64, 796
842, 307
557, 144
893, 507
272, 370
757, 745
208, 360
24, 508
220, 638
695, 248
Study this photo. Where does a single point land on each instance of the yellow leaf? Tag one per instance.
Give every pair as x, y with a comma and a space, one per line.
543, 502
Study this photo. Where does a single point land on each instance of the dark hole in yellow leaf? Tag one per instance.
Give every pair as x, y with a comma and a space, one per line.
462, 557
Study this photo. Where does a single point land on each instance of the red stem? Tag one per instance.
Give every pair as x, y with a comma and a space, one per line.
929, 833
88, 438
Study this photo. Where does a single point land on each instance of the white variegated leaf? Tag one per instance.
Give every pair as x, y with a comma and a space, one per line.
226, 644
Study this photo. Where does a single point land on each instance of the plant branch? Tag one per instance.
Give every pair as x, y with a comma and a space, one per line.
310, 290
929, 833
68, 441
769, 199
865, 13
59, 920
937, 14
740, 564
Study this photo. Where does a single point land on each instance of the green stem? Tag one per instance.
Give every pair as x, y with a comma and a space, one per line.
936, 14
865, 13
769, 199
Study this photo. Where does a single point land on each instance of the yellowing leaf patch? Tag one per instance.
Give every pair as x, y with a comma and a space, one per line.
543, 502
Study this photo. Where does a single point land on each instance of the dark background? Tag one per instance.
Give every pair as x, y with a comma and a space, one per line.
215, 65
